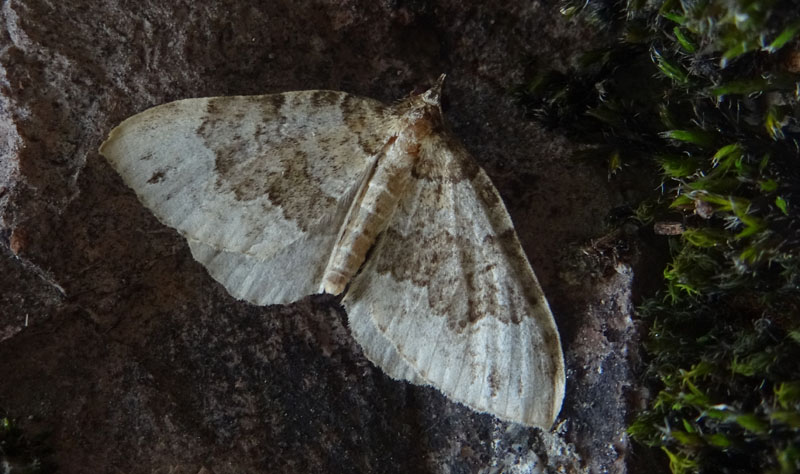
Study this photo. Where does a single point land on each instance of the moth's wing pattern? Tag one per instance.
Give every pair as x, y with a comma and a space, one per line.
288, 275
380, 350
258, 179
448, 285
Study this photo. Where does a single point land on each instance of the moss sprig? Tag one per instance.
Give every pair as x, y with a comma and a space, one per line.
21, 453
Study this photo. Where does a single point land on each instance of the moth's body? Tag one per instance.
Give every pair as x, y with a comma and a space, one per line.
285, 195
381, 190
368, 218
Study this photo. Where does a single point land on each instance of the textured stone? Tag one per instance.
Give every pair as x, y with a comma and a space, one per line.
137, 361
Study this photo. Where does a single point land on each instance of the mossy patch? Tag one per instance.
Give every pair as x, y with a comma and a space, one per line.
704, 96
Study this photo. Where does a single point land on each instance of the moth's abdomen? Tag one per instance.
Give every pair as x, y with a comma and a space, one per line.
351, 251
369, 216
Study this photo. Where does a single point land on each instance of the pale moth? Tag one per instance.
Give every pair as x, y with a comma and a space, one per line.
282, 196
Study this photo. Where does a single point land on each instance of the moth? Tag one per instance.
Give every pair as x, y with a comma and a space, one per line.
286, 195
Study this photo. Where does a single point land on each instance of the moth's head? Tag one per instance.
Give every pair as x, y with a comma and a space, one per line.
433, 95
424, 110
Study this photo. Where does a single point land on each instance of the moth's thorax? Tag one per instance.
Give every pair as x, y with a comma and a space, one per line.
417, 118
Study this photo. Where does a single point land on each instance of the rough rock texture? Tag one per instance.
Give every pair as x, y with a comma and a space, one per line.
117, 343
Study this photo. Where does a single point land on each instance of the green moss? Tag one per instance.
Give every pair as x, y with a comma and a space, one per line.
700, 95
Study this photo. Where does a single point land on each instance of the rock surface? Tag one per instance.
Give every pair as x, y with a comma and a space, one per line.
117, 343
